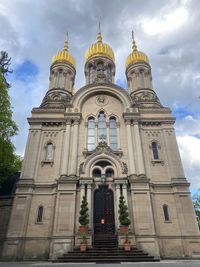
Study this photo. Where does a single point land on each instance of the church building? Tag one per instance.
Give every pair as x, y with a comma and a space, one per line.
102, 142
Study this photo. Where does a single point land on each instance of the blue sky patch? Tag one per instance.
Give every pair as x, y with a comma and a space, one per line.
197, 136
121, 83
26, 71
181, 112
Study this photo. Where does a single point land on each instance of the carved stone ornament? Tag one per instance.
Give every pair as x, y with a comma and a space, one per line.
56, 98
101, 100
146, 98
103, 148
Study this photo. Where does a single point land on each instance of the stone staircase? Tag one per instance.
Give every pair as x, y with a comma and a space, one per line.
106, 254
105, 241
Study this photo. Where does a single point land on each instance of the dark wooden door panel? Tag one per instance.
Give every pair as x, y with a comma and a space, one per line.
104, 219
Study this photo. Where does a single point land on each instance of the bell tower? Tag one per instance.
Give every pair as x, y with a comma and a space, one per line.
61, 80
139, 78
63, 70
99, 66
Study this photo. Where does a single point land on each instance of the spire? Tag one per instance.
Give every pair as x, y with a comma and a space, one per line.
66, 45
134, 46
99, 37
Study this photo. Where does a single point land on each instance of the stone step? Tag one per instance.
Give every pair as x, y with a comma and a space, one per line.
106, 254
126, 253
103, 260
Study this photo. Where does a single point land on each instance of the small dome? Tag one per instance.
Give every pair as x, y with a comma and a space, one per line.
99, 49
64, 56
136, 56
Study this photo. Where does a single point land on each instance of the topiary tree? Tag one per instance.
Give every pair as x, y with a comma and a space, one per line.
196, 203
84, 216
123, 212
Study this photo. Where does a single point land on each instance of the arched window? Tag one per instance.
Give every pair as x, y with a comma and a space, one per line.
109, 173
49, 152
101, 126
100, 68
91, 74
141, 79
113, 133
166, 212
91, 134
40, 214
109, 74
96, 173
155, 150
59, 77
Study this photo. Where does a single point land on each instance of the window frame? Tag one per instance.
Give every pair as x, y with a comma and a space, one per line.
165, 209
40, 215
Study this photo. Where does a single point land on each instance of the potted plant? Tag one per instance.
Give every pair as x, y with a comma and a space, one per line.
127, 242
84, 216
83, 243
123, 216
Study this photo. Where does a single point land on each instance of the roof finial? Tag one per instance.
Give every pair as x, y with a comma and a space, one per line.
99, 37
66, 45
134, 46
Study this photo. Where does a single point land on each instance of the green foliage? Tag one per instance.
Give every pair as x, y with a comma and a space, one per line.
196, 203
123, 212
84, 216
8, 127
9, 161
5, 64
83, 239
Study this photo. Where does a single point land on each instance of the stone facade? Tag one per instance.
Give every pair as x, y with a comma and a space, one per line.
59, 168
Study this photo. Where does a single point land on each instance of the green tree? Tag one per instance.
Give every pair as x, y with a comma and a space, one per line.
84, 216
9, 161
123, 212
196, 203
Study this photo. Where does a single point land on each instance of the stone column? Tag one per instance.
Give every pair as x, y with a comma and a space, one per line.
139, 153
124, 192
118, 136
96, 134
66, 144
89, 200
146, 83
86, 135
117, 186
74, 148
108, 133
130, 147
137, 76
65, 79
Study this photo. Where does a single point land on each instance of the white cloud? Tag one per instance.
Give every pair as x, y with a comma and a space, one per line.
188, 125
189, 149
165, 22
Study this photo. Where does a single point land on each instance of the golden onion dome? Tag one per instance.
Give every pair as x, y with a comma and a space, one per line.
136, 56
99, 49
64, 56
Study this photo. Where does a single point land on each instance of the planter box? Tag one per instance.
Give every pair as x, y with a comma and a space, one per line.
83, 247
123, 229
127, 246
83, 229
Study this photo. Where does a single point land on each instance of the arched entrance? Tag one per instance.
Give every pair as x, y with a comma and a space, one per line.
104, 217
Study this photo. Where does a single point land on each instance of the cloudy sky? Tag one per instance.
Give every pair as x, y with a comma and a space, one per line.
168, 31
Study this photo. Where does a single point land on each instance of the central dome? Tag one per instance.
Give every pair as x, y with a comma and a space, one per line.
99, 49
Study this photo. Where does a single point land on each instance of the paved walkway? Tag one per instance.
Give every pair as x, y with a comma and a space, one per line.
169, 263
